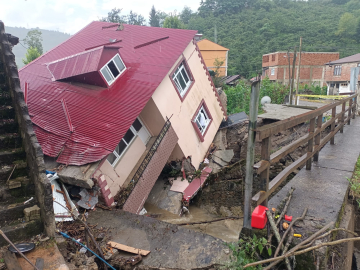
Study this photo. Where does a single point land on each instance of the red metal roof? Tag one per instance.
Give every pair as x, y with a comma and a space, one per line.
80, 63
99, 116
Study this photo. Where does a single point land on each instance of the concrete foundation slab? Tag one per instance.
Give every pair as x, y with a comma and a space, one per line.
170, 246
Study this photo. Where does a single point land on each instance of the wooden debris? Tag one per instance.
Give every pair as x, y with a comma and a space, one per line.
129, 249
210, 221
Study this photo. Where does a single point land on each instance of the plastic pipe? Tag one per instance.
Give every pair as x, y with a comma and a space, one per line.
67, 236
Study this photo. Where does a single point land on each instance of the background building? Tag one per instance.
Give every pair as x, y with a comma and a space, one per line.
211, 51
337, 74
276, 66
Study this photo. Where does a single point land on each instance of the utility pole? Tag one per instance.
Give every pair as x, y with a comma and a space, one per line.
254, 105
292, 77
298, 74
288, 57
215, 33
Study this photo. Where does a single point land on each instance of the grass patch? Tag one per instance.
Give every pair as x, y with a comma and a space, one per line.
355, 183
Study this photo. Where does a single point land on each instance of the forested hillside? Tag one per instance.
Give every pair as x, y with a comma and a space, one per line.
50, 39
252, 28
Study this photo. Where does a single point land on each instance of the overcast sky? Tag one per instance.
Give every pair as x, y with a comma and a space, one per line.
70, 16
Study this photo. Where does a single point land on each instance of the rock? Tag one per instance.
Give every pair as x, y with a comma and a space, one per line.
63, 267
32, 213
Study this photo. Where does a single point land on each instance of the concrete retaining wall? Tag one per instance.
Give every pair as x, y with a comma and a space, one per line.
34, 154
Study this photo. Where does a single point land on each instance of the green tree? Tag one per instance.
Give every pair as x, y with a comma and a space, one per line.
114, 16
173, 21
347, 25
33, 39
31, 54
154, 19
216, 72
135, 19
162, 16
186, 15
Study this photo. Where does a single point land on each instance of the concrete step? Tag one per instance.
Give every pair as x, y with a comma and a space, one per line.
10, 141
8, 126
8, 157
7, 112
21, 231
5, 98
20, 170
12, 212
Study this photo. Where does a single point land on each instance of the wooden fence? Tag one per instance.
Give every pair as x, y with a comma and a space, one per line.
313, 140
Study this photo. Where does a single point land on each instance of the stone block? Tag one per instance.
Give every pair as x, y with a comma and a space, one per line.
32, 213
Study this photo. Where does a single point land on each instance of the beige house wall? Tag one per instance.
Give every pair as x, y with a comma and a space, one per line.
116, 176
168, 102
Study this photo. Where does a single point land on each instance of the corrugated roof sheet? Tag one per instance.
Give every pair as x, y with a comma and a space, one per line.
77, 64
100, 117
349, 59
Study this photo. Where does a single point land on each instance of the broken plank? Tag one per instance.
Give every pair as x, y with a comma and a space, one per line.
128, 249
11, 261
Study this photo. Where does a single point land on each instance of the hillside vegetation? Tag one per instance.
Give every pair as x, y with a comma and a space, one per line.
253, 28
50, 39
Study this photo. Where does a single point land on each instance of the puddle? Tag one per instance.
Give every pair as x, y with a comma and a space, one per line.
227, 230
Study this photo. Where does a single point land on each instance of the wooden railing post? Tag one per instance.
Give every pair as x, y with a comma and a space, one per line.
350, 109
310, 142
342, 117
333, 114
354, 108
318, 137
264, 176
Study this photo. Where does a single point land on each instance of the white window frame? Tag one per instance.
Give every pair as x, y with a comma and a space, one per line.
337, 70
201, 128
178, 70
118, 157
113, 79
272, 72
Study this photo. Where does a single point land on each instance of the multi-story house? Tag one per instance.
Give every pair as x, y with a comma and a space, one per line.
114, 103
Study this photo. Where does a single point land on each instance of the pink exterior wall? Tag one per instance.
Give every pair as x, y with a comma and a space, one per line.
169, 103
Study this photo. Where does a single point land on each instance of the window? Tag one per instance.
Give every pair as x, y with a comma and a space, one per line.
343, 85
201, 120
125, 142
273, 71
113, 69
273, 57
359, 65
182, 79
337, 70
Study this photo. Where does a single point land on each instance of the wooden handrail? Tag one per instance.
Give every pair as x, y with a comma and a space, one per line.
271, 129
313, 139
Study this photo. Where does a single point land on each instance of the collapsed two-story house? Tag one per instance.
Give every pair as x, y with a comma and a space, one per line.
114, 103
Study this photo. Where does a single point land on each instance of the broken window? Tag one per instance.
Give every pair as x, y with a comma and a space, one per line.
125, 142
202, 120
182, 79
113, 69
337, 70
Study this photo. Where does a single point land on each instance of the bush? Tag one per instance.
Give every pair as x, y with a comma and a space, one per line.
238, 97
